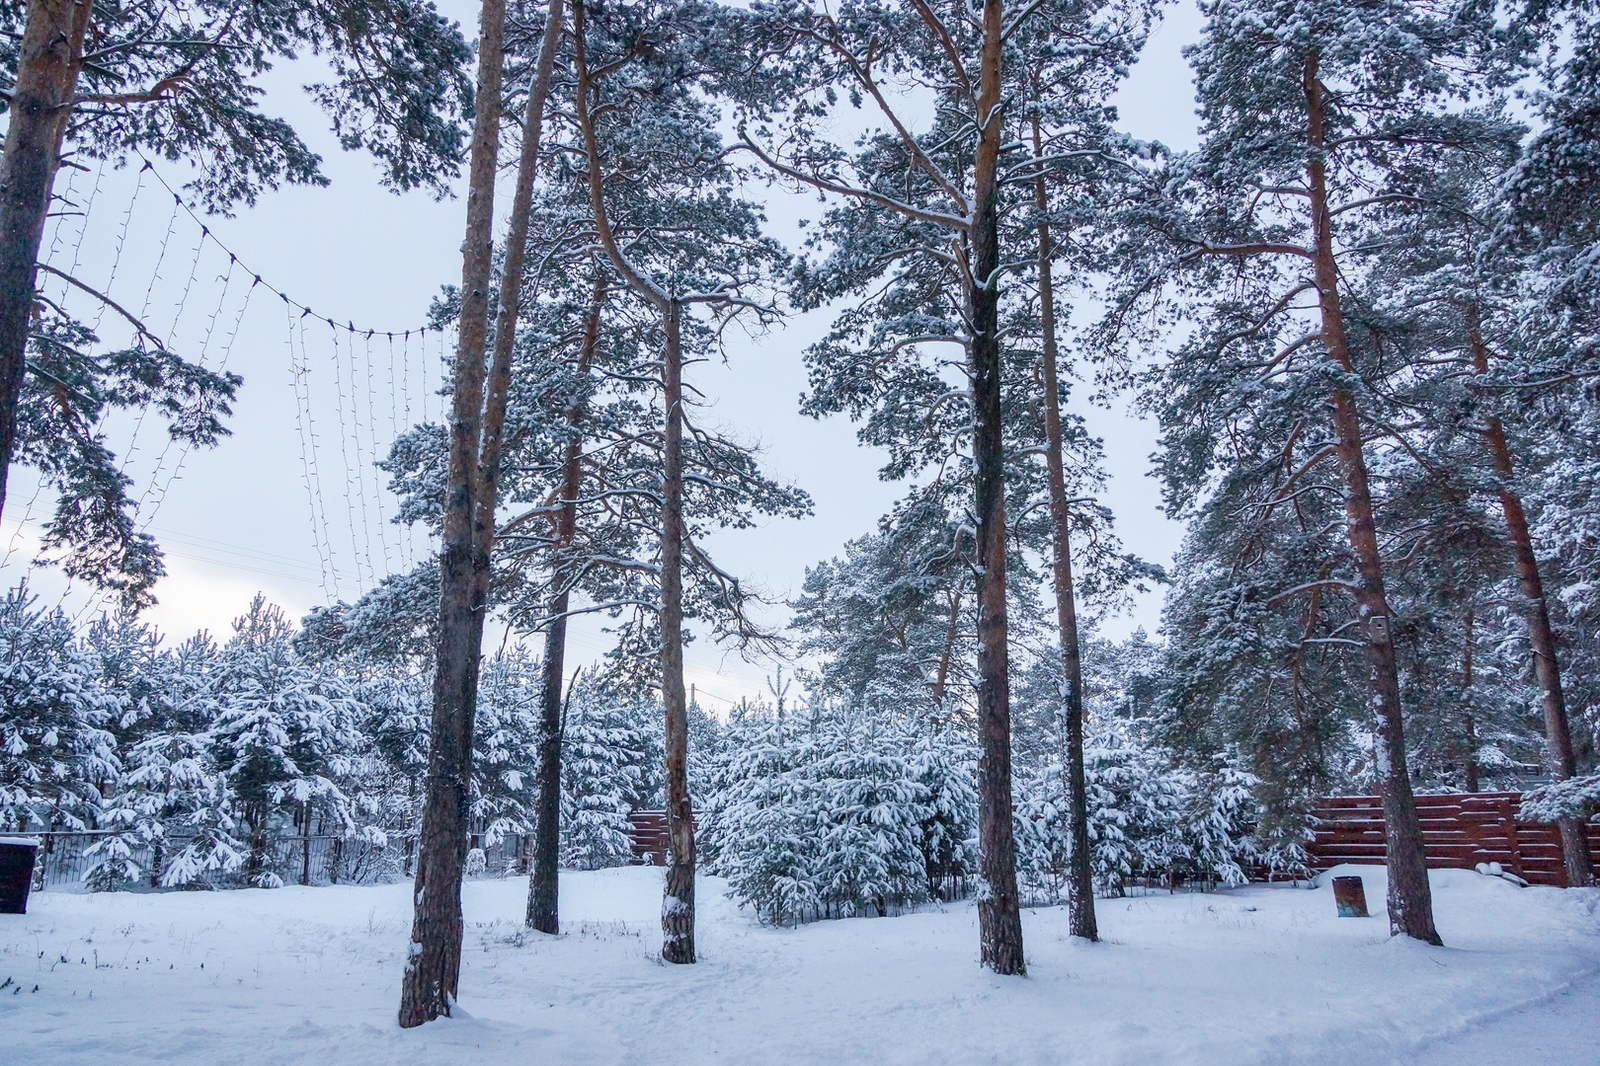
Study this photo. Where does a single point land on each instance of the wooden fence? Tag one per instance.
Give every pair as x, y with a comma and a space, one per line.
648, 832
1458, 831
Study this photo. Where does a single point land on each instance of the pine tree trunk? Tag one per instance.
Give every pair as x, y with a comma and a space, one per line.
1541, 634
1410, 897
487, 489
49, 59
677, 904
543, 877
1466, 692
999, 916
305, 844
545, 871
433, 965
1080, 883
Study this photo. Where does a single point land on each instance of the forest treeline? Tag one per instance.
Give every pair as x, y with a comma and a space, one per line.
1362, 312
195, 764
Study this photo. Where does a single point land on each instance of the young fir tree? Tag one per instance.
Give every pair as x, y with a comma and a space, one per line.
166, 785
834, 810
285, 741
610, 760
506, 740
54, 709
175, 799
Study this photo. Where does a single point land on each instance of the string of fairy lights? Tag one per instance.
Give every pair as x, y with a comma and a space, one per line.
139, 249
156, 259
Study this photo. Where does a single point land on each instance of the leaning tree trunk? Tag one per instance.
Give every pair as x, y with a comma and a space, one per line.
49, 59
543, 878
677, 904
1080, 884
1410, 898
999, 916
487, 492
1546, 670
433, 964
487, 495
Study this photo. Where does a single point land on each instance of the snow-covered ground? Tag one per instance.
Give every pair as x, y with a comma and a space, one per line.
1253, 975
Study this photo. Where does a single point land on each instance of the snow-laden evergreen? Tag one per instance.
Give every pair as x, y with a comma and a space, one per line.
831, 811
260, 762
55, 749
610, 759
1150, 818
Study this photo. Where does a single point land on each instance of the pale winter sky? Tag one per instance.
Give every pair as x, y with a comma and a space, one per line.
274, 509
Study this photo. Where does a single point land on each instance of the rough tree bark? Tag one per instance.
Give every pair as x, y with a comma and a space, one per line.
999, 916
677, 904
505, 337
543, 887
487, 496
433, 964
1410, 898
1541, 634
1080, 889
1471, 724
49, 60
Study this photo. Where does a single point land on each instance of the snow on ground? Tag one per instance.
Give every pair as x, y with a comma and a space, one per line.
1253, 975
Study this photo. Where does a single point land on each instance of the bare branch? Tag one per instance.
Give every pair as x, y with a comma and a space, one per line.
109, 302
828, 185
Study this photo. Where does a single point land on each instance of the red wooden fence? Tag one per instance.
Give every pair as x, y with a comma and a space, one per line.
648, 830
1458, 830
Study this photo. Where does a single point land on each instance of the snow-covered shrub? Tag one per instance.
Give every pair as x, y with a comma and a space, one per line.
506, 746
605, 748
1149, 817
285, 739
839, 814
55, 749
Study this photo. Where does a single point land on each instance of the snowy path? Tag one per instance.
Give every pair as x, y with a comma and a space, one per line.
1257, 975
1557, 1030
